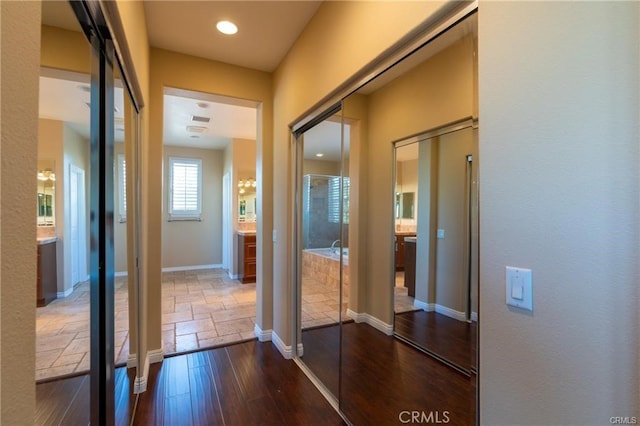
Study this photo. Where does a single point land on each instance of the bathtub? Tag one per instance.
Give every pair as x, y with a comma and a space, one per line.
331, 253
322, 266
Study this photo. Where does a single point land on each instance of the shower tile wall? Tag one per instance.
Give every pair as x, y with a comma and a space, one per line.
319, 232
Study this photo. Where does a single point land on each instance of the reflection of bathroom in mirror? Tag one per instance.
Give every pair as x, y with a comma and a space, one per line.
434, 286
46, 192
246, 199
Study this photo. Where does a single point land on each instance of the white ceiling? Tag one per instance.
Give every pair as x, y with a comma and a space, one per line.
64, 97
266, 29
227, 121
324, 138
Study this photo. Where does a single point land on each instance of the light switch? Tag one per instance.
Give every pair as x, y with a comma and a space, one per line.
274, 236
440, 234
519, 287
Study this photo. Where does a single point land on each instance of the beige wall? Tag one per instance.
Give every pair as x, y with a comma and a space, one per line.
19, 56
321, 167
194, 243
301, 81
560, 194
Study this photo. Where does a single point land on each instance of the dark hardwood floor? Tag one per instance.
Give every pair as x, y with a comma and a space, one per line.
384, 378
450, 339
382, 382
243, 384
66, 401
322, 354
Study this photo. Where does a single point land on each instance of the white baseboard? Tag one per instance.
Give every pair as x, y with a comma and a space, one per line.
474, 316
234, 276
156, 355
66, 293
451, 313
286, 351
121, 274
300, 349
140, 383
191, 268
132, 361
427, 307
262, 335
357, 317
372, 321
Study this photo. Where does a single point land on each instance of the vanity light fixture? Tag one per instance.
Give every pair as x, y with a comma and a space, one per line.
227, 27
319, 155
45, 175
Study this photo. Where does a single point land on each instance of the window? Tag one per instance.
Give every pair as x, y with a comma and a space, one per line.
334, 200
185, 188
122, 187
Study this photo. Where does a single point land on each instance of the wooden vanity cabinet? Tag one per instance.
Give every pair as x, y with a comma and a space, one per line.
247, 258
410, 267
47, 288
400, 250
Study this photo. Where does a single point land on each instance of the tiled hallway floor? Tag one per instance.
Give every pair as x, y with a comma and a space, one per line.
200, 308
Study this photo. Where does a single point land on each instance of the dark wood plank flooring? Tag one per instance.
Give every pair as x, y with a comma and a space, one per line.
450, 339
243, 384
322, 354
382, 377
66, 401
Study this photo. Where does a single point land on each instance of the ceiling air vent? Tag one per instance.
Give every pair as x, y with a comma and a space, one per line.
200, 119
196, 129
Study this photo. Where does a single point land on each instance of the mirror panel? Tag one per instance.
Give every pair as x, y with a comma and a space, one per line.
397, 208
322, 212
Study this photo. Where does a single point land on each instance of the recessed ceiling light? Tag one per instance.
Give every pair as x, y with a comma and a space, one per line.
319, 154
227, 27
203, 105
194, 136
84, 88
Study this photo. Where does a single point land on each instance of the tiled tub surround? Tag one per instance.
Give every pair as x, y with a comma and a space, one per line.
321, 287
200, 308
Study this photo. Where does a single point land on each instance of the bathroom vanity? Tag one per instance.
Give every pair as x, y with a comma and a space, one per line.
47, 287
400, 248
247, 256
410, 265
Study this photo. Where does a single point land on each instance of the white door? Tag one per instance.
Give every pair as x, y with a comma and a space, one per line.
77, 222
226, 222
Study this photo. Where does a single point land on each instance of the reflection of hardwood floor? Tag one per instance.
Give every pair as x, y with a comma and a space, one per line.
450, 339
382, 377
244, 384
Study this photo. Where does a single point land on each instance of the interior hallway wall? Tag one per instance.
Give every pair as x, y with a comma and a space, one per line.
19, 74
560, 194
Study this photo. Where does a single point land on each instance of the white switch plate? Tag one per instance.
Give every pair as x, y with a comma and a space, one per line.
274, 236
519, 288
440, 234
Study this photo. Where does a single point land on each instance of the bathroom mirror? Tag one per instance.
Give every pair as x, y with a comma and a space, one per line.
404, 205
46, 192
247, 200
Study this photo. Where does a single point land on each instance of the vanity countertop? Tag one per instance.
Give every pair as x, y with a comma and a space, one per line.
47, 240
410, 239
246, 232
406, 233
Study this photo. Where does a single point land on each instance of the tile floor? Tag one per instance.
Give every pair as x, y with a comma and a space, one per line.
200, 309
